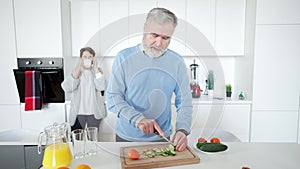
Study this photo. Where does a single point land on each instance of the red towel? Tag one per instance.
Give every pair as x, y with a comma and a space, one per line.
33, 92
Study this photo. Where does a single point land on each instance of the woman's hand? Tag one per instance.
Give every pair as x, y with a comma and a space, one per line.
77, 70
95, 65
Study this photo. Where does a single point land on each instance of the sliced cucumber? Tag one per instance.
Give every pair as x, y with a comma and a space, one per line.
170, 150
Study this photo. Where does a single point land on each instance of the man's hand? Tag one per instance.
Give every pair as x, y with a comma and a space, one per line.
148, 125
180, 140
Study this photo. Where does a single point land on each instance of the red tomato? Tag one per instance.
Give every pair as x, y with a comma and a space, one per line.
202, 140
215, 140
133, 154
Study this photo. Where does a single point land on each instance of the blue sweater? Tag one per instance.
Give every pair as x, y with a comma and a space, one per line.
143, 86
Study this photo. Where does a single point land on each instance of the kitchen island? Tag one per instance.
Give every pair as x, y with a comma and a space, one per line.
238, 155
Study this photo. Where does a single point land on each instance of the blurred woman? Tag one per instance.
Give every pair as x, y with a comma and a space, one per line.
86, 85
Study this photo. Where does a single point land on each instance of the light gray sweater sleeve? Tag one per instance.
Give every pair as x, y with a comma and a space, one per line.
70, 84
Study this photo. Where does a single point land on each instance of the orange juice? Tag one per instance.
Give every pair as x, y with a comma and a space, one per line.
57, 155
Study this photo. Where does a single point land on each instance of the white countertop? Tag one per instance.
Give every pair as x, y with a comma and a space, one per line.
19, 137
204, 99
30, 137
253, 155
238, 155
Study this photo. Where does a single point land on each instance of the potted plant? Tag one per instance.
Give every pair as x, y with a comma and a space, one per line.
228, 90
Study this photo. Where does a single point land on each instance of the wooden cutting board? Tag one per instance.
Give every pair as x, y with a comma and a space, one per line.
184, 157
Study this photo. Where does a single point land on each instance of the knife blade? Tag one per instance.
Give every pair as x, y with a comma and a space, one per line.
163, 137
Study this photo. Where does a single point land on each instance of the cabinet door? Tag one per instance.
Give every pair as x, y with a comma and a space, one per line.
8, 90
179, 37
236, 119
137, 16
200, 28
84, 24
38, 120
230, 27
12, 156
33, 160
276, 67
231, 118
299, 120
10, 117
277, 12
113, 26
274, 126
38, 28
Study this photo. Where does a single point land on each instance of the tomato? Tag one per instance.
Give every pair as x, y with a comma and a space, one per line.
63, 168
202, 140
215, 140
133, 154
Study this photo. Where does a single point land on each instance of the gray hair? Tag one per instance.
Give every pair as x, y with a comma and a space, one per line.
161, 16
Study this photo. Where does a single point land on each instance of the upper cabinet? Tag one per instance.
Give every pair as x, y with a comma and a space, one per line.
179, 37
38, 28
276, 68
9, 93
278, 12
200, 27
84, 23
230, 27
113, 32
205, 27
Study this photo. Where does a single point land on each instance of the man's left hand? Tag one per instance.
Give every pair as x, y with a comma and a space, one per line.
180, 140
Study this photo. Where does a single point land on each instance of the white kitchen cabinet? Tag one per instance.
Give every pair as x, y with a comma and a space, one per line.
137, 12
84, 24
276, 67
113, 26
230, 27
178, 40
10, 117
276, 83
220, 23
8, 90
299, 120
277, 12
38, 28
234, 118
274, 126
231, 117
200, 28
39, 119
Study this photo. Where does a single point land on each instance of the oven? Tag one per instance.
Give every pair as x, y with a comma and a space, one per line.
52, 75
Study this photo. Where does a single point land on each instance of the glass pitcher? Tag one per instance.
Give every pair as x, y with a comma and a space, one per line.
57, 152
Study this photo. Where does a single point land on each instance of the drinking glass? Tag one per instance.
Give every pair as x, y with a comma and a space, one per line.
78, 140
91, 140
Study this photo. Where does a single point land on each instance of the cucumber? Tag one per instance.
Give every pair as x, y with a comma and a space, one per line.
200, 144
213, 147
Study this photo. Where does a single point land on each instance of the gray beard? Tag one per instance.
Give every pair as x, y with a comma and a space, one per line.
152, 53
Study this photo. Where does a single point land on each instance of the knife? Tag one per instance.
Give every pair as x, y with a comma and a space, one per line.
163, 137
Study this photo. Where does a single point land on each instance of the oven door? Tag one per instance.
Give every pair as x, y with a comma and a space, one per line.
51, 85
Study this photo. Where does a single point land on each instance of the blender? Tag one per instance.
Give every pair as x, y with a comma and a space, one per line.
194, 85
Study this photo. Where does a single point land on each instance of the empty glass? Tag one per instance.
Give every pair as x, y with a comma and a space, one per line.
78, 140
91, 140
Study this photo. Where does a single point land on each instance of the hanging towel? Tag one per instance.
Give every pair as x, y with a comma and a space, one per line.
33, 92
